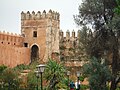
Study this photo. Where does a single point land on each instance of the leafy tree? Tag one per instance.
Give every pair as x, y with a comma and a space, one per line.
98, 73
54, 73
32, 81
21, 67
85, 35
101, 16
10, 79
29, 81
63, 84
2, 68
117, 9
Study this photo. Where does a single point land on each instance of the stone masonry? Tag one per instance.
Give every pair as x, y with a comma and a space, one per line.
12, 51
42, 31
40, 39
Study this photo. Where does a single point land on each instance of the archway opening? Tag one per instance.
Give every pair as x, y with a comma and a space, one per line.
34, 53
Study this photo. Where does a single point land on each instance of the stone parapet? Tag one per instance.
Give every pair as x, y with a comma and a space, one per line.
68, 35
7, 38
37, 16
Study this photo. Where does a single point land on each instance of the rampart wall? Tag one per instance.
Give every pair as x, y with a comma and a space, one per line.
41, 29
12, 56
7, 38
12, 52
70, 40
69, 48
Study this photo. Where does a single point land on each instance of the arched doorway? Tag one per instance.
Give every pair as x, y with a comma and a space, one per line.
34, 53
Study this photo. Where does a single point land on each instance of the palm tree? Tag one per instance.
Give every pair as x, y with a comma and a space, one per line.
54, 73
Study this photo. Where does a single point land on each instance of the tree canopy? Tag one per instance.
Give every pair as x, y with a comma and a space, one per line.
101, 16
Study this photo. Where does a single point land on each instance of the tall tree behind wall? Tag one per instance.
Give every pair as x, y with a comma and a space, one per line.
85, 35
105, 23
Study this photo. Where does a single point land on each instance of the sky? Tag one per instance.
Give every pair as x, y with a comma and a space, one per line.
10, 12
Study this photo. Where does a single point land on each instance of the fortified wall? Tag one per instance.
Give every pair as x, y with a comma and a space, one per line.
69, 45
70, 53
7, 38
40, 39
12, 52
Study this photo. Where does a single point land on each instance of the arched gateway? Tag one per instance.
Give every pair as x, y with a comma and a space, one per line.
34, 53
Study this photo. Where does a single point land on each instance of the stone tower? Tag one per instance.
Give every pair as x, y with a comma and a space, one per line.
41, 33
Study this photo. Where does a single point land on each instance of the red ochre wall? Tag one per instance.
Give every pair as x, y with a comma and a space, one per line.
12, 56
12, 52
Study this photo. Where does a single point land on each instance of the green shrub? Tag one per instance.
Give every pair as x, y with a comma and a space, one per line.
33, 65
32, 81
84, 87
10, 79
81, 78
21, 67
2, 68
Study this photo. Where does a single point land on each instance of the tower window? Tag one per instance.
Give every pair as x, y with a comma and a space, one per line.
34, 33
25, 44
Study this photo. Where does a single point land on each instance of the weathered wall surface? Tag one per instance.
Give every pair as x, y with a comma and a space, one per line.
12, 52
12, 56
43, 31
40, 40
7, 38
16, 49
46, 26
70, 51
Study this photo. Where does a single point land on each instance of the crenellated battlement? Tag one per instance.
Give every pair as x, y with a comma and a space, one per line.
11, 34
40, 38
7, 38
71, 40
69, 34
37, 16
